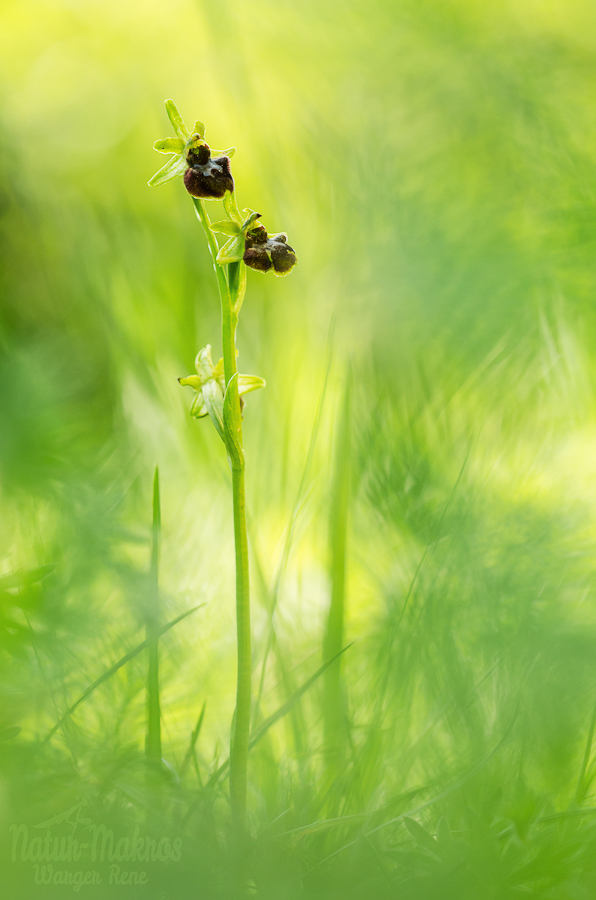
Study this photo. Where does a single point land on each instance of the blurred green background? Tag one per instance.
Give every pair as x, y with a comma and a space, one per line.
433, 163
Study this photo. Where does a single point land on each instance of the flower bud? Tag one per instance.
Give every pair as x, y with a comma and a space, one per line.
205, 177
263, 252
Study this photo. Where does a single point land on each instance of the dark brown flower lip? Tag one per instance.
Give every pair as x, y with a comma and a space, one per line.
283, 258
206, 177
257, 258
263, 252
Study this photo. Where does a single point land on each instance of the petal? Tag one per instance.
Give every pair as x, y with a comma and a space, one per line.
208, 182
283, 257
232, 251
176, 120
192, 381
172, 169
250, 219
199, 129
258, 259
170, 145
248, 383
226, 227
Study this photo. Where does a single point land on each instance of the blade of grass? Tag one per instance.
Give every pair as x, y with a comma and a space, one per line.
448, 790
424, 559
153, 736
291, 702
323, 824
193, 740
283, 710
579, 790
286, 678
273, 593
334, 721
51, 692
112, 671
26, 578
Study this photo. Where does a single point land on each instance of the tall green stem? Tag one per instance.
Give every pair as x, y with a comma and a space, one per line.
231, 287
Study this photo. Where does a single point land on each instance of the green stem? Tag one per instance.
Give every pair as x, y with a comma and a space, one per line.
231, 292
222, 284
240, 737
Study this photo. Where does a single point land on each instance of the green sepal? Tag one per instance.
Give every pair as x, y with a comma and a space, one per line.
247, 383
226, 227
232, 427
199, 129
229, 152
172, 169
176, 120
192, 381
169, 145
232, 251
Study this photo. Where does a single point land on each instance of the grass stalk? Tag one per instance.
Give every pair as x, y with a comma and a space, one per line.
153, 738
193, 741
334, 632
580, 789
272, 594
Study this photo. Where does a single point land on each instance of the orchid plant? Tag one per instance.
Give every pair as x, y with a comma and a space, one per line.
219, 388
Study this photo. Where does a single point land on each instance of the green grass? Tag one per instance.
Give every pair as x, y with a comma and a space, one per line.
434, 165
